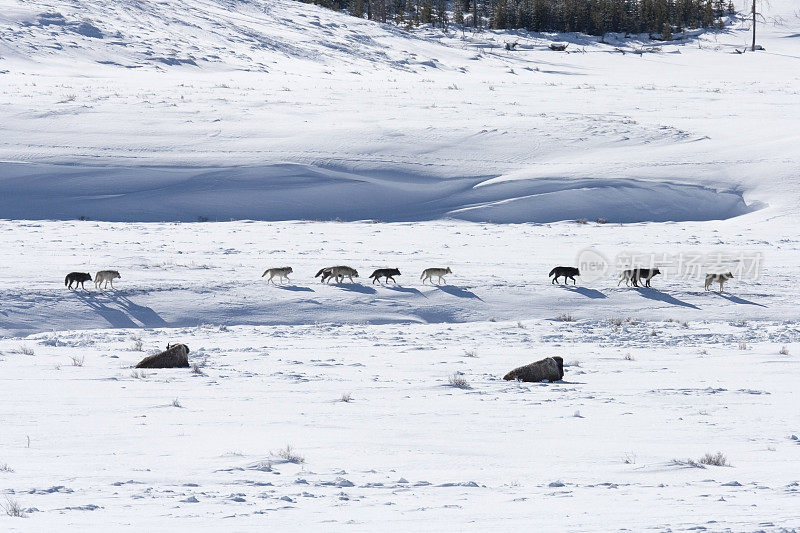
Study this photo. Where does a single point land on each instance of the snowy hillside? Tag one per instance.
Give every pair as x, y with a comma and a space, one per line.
192, 144
129, 111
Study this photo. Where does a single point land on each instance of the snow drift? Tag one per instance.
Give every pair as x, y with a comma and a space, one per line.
293, 192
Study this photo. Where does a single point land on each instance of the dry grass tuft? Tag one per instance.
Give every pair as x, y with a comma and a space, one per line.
12, 508
715, 459
458, 381
289, 455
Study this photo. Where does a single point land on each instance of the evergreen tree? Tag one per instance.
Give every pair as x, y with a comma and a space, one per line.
595, 17
458, 14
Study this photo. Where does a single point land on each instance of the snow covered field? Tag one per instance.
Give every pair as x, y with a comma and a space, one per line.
191, 145
607, 448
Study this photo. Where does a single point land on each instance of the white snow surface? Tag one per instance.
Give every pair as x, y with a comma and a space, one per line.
303, 137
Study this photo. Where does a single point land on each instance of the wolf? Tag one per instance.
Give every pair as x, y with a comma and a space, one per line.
719, 278
76, 278
282, 273
627, 276
338, 272
106, 275
428, 273
387, 273
567, 272
646, 274
635, 275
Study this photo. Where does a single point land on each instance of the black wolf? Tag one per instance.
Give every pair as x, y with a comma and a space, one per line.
387, 273
76, 278
636, 275
567, 272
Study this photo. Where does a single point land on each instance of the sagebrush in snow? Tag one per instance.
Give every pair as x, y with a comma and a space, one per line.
458, 381
12, 508
290, 456
138, 344
23, 350
714, 459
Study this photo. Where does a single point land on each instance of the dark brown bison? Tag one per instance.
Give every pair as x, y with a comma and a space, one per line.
175, 356
549, 369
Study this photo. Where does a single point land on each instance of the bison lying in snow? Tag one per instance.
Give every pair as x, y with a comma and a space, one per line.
175, 356
549, 369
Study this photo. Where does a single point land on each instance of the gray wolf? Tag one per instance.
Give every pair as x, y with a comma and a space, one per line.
76, 278
718, 278
548, 369
282, 273
106, 275
567, 272
175, 356
387, 273
429, 273
338, 272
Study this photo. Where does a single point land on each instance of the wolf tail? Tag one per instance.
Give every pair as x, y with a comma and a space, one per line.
321, 270
552, 272
422, 275
66, 280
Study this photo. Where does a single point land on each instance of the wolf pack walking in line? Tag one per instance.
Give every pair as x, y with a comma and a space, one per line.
631, 277
550, 369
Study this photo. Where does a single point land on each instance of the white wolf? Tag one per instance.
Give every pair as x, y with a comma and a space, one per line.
107, 276
338, 272
429, 273
281, 273
718, 278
